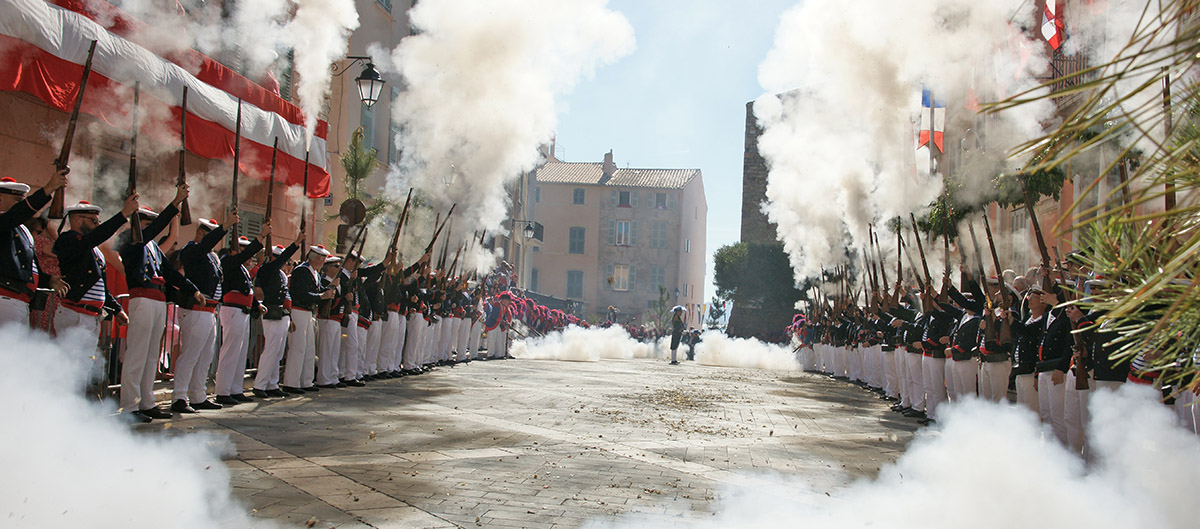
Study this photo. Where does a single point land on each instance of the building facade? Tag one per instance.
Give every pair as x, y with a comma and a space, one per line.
613, 237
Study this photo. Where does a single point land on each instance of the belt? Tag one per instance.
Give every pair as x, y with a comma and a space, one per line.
90, 310
150, 291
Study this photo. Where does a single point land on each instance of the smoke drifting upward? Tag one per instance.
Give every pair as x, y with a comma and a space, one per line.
319, 35
481, 89
69, 463
840, 126
1146, 473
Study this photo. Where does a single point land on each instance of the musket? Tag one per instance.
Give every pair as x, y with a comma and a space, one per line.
185, 210
399, 225
454, 264
304, 196
913, 266
135, 221
879, 259
237, 153
921, 250
326, 306
441, 265
271, 191
1004, 294
64, 155
1037, 230
899, 251
436, 233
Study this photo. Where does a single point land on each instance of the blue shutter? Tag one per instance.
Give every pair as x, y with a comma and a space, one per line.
612, 198
632, 275
633, 232
633, 198
671, 201
612, 233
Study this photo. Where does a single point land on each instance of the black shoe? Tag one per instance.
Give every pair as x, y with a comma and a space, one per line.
326, 386
674, 363
226, 400
242, 397
260, 393
340, 384
206, 405
311, 389
926, 421
138, 416
181, 406
355, 383
915, 414
368, 378
292, 390
276, 393
156, 413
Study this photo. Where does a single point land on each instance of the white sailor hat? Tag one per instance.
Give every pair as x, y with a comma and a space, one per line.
13, 187
243, 241
209, 224
147, 213
353, 255
333, 260
277, 249
83, 206
319, 249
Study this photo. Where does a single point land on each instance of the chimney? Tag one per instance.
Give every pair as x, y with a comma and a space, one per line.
609, 167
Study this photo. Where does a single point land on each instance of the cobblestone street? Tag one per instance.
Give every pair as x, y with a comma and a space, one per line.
522, 443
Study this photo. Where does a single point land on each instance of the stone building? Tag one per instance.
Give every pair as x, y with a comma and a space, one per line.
613, 236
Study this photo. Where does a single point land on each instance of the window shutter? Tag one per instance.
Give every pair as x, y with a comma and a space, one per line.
671, 201
612, 198
649, 200
612, 233
608, 278
633, 199
632, 275
633, 224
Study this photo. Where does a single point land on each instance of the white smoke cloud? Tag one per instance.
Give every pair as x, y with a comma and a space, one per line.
577, 344
69, 462
716, 349
989, 467
481, 92
840, 121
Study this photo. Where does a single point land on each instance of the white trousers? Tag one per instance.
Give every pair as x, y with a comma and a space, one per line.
389, 347
231, 360
198, 340
301, 351
965, 384
88, 324
914, 366
993, 380
412, 340
1027, 392
1075, 413
275, 334
372, 347
1188, 407
902, 377
891, 372
1051, 405
496, 339
462, 343
148, 319
350, 349
475, 337
329, 343
396, 356
934, 373
14, 311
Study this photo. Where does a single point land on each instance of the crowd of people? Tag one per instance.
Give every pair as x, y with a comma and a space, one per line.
327, 321
923, 347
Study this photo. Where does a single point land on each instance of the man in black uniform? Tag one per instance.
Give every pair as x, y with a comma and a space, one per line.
237, 303
148, 275
83, 267
271, 287
307, 291
197, 320
19, 273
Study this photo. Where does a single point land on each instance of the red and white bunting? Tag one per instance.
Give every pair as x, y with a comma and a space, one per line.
1052, 24
44, 48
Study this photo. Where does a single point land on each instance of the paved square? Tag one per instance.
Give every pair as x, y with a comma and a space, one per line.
522, 443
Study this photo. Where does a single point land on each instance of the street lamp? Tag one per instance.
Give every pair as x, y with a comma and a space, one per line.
529, 232
370, 83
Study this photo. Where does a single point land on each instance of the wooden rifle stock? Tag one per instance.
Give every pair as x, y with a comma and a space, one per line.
1037, 230
271, 192
1005, 299
57, 202
304, 198
237, 153
135, 220
436, 233
879, 259
399, 226
185, 210
899, 251
921, 250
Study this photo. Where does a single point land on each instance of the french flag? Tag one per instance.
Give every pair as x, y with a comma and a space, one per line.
1052, 25
932, 126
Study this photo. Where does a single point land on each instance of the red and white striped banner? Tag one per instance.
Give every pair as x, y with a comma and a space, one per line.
42, 50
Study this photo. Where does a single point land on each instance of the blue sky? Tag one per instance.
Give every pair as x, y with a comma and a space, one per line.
679, 100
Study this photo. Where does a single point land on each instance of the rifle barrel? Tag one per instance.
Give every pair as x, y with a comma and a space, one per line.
135, 222
58, 201
185, 210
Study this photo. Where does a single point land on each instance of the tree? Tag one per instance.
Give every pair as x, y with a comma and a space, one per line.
759, 279
716, 313
661, 310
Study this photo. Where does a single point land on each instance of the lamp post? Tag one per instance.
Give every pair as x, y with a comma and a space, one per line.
370, 83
